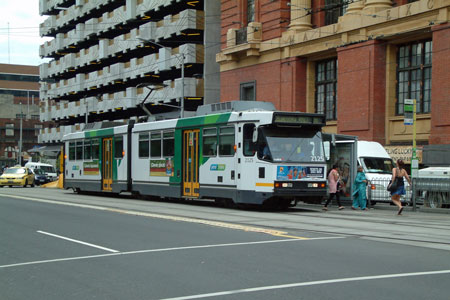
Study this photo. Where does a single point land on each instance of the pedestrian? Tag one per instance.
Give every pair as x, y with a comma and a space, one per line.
397, 175
333, 180
359, 193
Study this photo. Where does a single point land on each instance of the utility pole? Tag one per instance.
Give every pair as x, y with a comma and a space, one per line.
182, 86
20, 138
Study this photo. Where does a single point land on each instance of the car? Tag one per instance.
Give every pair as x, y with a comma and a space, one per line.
40, 177
17, 176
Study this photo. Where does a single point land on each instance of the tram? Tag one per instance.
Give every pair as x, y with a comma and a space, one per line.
234, 152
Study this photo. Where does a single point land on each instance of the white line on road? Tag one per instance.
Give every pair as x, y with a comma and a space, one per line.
160, 250
308, 283
77, 241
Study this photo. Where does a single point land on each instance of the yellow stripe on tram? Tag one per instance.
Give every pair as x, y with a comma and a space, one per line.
264, 184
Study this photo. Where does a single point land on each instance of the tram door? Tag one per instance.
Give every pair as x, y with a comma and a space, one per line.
107, 164
190, 163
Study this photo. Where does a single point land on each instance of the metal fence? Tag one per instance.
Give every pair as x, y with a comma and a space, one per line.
377, 191
429, 192
432, 192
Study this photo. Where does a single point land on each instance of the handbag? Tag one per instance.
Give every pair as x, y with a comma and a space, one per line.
392, 186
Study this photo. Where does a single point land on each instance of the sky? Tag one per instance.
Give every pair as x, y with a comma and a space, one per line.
20, 44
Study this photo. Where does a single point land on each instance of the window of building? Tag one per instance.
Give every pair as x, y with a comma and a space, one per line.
334, 9
414, 76
168, 144
35, 117
19, 93
250, 11
143, 145
226, 141
210, 142
21, 116
37, 129
326, 88
155, 145
18, 77
248, 91
9, 130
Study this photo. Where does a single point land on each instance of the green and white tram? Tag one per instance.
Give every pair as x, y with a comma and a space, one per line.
228, 152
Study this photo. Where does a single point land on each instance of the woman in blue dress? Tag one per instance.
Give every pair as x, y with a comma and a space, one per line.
359, 190
398, 174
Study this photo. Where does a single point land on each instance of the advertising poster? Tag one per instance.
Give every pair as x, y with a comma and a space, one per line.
299, 172
91, 168
161, 167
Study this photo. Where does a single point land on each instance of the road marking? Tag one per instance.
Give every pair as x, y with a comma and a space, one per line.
77, 241
308, 283
158, 250
165, 217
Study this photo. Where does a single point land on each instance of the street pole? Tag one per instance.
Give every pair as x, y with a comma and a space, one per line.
20, 137
182, 86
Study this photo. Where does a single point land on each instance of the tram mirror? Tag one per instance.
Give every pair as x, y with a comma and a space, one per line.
255, 135
326, 146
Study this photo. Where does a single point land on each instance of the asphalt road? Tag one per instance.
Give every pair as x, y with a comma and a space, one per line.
58, 245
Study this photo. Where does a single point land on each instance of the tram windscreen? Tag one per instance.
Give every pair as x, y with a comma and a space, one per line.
288, 144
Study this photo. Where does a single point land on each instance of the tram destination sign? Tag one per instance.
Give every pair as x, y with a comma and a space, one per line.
297, 119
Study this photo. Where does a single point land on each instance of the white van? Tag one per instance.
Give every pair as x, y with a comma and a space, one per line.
47, 168
378, 167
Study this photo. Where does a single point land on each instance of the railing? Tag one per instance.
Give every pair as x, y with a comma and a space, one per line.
432, 192
429, 192
377, 191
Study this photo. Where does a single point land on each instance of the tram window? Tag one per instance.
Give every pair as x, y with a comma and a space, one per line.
87, 150
155, 145
210, 142
249, 145
226, 141
79, 151
95, 149
168, 144
143, 145
72, 151
118, 147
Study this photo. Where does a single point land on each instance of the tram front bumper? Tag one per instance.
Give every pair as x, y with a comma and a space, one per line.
302, 188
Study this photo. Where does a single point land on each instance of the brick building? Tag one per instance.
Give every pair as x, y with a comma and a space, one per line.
354, 61
19, 98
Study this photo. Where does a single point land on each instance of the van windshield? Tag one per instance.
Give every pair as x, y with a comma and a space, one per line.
377, 165
47, 169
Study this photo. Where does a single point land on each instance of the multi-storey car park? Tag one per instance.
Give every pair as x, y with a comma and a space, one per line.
114, 60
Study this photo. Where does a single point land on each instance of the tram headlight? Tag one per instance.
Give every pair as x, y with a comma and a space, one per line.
286, 185
313, 185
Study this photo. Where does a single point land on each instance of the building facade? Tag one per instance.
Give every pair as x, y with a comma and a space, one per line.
354, 61
19, 103
123, 59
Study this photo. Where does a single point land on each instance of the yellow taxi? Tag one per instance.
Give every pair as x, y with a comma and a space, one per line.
17, 176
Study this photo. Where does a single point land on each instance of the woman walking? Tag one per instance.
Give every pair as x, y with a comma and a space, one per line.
333, 180
397, 175
359, 194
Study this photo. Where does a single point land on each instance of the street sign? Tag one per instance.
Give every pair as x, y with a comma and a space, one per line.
409, 111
